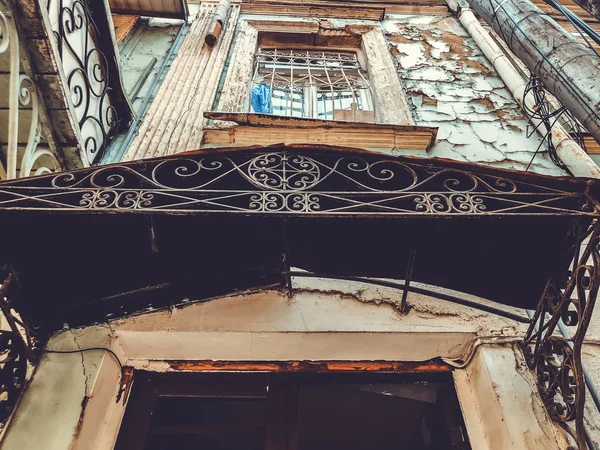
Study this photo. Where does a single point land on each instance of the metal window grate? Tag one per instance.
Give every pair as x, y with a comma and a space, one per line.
309, 83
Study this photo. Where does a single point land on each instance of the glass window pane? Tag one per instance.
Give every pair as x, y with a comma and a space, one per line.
288, 76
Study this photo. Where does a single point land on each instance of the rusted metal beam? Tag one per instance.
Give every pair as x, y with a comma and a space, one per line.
407, 367
568, 68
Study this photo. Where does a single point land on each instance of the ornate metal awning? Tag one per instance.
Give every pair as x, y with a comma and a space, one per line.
210, 217
107, 241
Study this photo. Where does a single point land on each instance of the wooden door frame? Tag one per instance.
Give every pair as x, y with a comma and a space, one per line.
221, 379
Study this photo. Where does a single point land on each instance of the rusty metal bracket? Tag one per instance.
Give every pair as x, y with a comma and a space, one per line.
556, 359
14, 351
407, 279
19, 329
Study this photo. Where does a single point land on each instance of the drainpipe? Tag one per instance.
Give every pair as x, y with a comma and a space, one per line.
570, 153
568, 68
218, 23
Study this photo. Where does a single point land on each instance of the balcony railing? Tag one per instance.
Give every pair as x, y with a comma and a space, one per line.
64, 99
88, 61
22, 118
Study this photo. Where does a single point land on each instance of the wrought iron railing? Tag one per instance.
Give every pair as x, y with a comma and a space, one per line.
89, 80
22, 101
569, 297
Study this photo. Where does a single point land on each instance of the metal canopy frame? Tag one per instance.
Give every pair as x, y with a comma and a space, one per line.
203, 224
300, 181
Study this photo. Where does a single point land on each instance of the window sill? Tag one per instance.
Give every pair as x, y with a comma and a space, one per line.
253, 129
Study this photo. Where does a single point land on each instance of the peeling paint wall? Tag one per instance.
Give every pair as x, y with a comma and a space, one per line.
451, 85
448, 81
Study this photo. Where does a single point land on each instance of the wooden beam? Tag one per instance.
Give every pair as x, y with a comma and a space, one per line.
409, 367
252, 129
591, 146
285, 26
123, 25
420, 7
312, 10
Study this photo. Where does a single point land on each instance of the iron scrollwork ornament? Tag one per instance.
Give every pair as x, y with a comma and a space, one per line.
556, 360
13, 353
287, 182
88, 77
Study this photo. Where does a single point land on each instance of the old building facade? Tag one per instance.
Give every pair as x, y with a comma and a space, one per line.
282, 224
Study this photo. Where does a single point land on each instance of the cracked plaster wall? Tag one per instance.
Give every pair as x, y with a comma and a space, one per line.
451, 85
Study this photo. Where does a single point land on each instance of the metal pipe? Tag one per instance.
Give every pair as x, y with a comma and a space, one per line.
568, 68
568, 150
218, 22
225, 71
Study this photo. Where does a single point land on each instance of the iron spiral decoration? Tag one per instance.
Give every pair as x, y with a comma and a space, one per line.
13, 372
556, 360
15, 352
88, 78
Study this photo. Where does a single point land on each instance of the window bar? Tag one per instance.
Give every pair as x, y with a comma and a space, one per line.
340, 94
313, 113
354, 94
330, 87
255, 77
370, 98
272, 85
291, 83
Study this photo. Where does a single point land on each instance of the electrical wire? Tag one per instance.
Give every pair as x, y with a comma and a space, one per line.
542, 113
576, 91
541, 110
579, 24
464, 360
66, 352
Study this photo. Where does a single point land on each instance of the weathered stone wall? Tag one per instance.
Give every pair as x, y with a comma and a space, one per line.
451, 85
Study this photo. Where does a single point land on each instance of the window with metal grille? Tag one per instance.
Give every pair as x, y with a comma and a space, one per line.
312, 84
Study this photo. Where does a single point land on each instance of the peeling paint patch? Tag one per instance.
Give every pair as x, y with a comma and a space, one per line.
451, 85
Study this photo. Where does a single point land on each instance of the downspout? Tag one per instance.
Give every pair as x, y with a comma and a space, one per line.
571, 154
219, 92
218, 22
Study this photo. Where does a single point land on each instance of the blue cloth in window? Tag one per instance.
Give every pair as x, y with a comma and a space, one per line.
261, 99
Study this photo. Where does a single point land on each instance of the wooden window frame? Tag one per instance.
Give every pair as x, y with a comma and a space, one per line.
317, 84
388, 96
